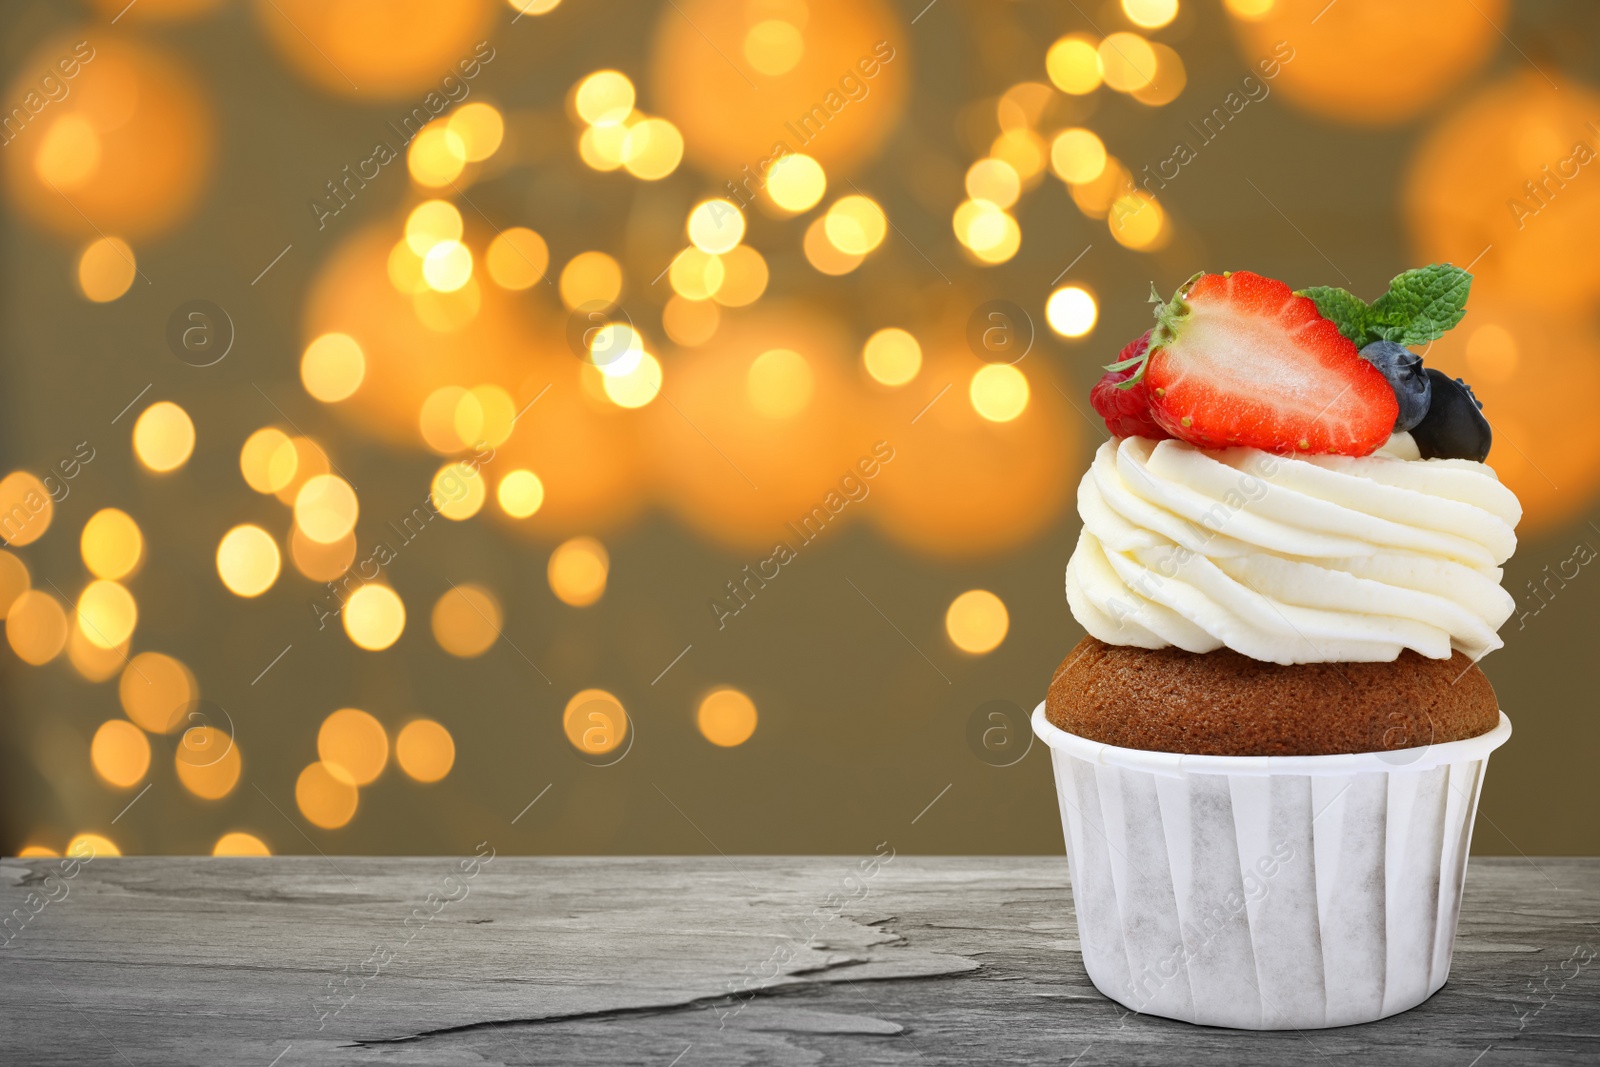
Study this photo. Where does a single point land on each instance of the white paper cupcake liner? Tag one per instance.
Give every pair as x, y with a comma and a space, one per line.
1268, 892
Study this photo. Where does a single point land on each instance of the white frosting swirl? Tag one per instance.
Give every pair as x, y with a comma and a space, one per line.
1290, 559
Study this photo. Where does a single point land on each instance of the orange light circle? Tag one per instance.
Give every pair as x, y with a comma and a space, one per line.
321, 562
1485, 188
977, 621
778, 391
120, 753
239, 843
36, 627
163, 437
106, 269
91, 845
383, 48
466, 621
353, 744
1533, 454
690, 322
14, 581
704, 79
585, 449
111, 544
207, 761
26, 508
595, 722
326, 799
248, 560
1372, 62
520, 493
425, 750
374, 617
127, 150
726, 717
326, 508
517, 258
155, 689
961, 485
268, 460
93, 663
106, 613
578, 571
332, 367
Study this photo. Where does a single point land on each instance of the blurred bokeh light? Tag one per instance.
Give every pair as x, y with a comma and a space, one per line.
425, 750
726, 717
388, 48
1369, 61
125, 147
732, 352
353, 745
163, 437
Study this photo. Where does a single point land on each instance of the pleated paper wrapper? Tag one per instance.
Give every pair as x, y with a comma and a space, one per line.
1268, 893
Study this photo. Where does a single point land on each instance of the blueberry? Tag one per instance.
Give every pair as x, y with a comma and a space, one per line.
1454, 427
1403, 368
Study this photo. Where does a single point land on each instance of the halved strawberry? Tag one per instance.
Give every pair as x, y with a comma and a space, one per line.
1126, 411
1238, 359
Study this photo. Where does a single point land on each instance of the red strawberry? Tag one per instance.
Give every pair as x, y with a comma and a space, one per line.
1126, 411
1238, 359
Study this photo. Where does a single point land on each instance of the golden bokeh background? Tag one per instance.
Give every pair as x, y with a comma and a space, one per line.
435, 421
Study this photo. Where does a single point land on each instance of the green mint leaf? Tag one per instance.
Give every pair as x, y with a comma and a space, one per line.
1345, 310
1421, 304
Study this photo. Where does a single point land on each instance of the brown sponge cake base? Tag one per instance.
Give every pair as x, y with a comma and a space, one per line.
1225, 704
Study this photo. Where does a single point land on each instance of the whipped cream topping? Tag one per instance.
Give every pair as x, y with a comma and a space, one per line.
1291, 559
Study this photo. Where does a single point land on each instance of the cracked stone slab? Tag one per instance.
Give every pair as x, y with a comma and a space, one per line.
687, 961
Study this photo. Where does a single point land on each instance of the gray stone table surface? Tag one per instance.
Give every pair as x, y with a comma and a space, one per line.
891, 959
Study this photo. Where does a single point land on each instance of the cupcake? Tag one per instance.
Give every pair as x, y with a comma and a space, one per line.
1269, 748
